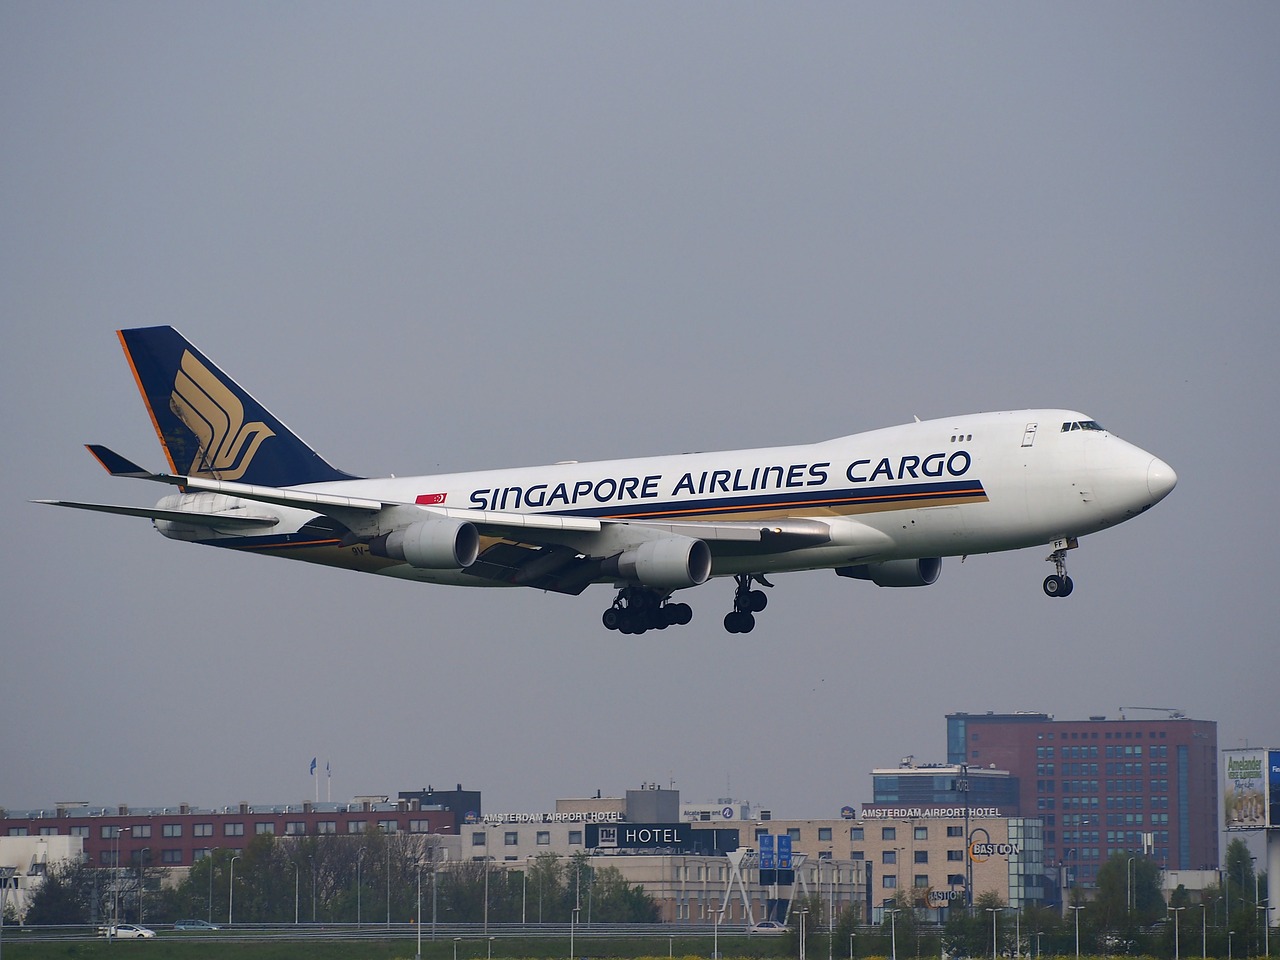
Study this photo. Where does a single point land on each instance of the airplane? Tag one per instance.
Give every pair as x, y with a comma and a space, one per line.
884, 506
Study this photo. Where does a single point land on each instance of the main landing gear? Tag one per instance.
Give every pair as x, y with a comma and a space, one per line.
637, 609
1059, 584
746, 603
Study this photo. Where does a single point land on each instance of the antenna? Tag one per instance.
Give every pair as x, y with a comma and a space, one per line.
1174, 714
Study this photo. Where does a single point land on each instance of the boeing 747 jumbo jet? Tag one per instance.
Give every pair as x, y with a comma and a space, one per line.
884, 506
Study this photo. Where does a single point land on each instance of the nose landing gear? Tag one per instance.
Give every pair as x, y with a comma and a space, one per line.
1058, 584
746, 603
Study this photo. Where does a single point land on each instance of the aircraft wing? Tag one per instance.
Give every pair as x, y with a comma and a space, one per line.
219, 521
543, 550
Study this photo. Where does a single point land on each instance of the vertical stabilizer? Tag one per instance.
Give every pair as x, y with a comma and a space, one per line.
208, 425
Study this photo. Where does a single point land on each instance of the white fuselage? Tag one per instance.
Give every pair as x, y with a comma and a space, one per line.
971, 484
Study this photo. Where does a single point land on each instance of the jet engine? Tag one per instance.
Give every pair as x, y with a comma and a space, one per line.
436, 544
896, 573
670, 563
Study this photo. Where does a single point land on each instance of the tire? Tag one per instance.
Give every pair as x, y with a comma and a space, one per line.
758, 600
1054, 586
1067, 586
611, 618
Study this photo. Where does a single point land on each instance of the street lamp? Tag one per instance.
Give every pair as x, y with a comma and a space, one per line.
231, 889
993, 911
1128, 893
1204, 927
1230, 934
455, 947
803, 914
359, 866
6, 877
1077, 910
295, 893
1175, 911
893, 933
1266, 926
418, 955
715, 934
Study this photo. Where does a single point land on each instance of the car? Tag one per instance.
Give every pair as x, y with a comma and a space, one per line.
129, 931
195, 925
767, 926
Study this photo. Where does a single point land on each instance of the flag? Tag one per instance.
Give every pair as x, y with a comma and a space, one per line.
313, 766
427, 499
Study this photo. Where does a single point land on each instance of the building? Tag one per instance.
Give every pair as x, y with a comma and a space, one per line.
1138, 787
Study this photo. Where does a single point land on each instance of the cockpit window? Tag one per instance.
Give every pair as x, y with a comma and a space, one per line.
1082, 425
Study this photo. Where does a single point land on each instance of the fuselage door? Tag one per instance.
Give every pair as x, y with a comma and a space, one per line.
1029, 435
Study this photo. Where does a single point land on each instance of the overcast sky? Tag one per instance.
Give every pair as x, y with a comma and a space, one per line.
454, 236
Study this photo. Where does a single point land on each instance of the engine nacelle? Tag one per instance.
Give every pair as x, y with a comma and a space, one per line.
670, 563
896, 573
437, 544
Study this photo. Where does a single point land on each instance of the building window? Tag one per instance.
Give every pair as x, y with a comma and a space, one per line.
326, 826
357, 826
922, 856
955, 831
477, 838
80, 832
171, 856
295, 828
389, 826
233, 829
888, 856
171, 829
202, 830
855, 833
955, 879
264, 827
888, 833
921, 880
544, 838
824, 854
140, 830
575, 838
17, 831
889, 881
824, 833
857, 854
922, 833
511, 838
419, 826
955, 855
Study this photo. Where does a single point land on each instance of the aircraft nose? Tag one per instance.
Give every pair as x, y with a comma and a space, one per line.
1160, 478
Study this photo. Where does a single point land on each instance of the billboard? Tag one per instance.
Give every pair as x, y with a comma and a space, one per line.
1273, 764
1244, 789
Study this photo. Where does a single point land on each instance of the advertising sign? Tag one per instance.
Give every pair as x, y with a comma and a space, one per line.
1244, 789
1274, 765
638, 836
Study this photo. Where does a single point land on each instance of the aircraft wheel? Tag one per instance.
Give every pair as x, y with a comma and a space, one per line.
1067, 586
747, 623
611, 618
757, 600
1054, 586
683, 614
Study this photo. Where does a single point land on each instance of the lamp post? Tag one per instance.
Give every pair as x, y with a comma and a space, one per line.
1204, 931
1230, 934
115, 887
573, 927
1266, 927
6, 877
1128, 891
312, 861
893, 933
455, 947
418, 955
715, 933
803, 914
296, 872
231, 888
1077, 910
1175, 911
993, 911
359, 868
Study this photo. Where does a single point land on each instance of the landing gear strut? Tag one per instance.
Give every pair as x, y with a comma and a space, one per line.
637, 609
1059, 584
746, 603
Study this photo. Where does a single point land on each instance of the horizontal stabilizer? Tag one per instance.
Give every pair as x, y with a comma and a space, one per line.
115, 464
217, 521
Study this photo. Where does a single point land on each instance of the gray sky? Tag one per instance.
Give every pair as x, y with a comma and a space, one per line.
454, 236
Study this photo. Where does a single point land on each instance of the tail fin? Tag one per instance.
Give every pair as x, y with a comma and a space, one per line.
207, 424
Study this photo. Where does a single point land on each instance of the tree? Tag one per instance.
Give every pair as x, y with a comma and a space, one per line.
60, 898
1128, 894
